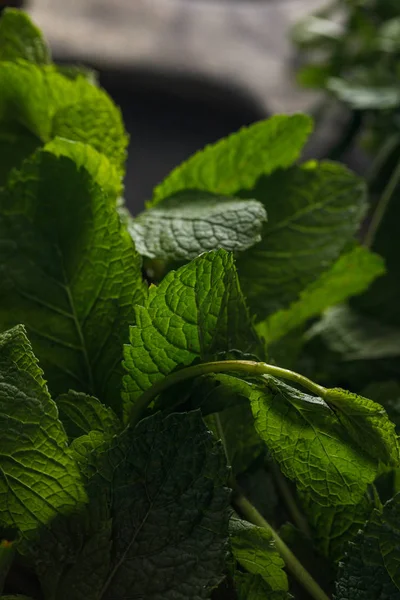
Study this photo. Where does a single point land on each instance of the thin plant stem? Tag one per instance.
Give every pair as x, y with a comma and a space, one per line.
382, 157
249, 367
381, 207
292, 563
298, 518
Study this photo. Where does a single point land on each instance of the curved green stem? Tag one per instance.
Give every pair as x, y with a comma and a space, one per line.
248, 367
292, 563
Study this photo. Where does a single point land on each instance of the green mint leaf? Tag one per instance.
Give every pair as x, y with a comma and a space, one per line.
236, 162
305, 234
80, 414
196, 312
39, 479
254, 549
191, 222
310, 444
370, 569
7, 553
16, 144
75, 71
21, 39
50, 105
254, 587
333, 526
386, 393
70, 273
356, 336
351, 274
170, 511
104, 173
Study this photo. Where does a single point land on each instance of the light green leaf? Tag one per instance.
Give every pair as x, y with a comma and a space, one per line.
170, 511
81, 414
333, 526
7, 553
70, 273
355, 336
191, 222
351, 274
50, 105
314, 211
21, 39
370, 569
316, 31
236, 162
254, 549
196, 312
389, 35
39, 479
310, 444
98, 165
363, 97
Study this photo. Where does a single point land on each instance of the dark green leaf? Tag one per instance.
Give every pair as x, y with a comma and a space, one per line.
81, 414
350, 274
39, 479
195, 312
236, 162
254, 549
16, 144
70, 273
386, 393
191, 222
21, 39
305, 234
253, 587
7, 553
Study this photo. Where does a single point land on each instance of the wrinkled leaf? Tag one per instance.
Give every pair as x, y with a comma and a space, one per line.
253, 587
21, 39
70, 273
191, 222
81, 414
236, 162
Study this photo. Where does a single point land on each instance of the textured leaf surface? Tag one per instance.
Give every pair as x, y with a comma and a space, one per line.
39, 479
21, 39
356, 336
50, 105
311, 446
170, 511
191, 222
16, 144
386, 393
195, 312
371, 567
351, 274
313, 211
236, 162
253, 587
81, 414
69, 273
254, 549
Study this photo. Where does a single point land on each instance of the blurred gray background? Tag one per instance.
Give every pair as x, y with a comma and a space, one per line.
185, 72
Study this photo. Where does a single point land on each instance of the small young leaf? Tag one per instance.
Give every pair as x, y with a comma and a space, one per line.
195, 312
70, 273
21, 39
305, 234
81, 414
236, 162
254, 549
39, 479
350, 274
191, 222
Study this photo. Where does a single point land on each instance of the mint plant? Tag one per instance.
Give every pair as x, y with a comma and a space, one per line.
158, 438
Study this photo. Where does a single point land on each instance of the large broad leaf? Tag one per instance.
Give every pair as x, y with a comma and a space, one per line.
163, 486
39, 478
70, 273
254, 549
81, 414
351, 274
196, 312
21, 39
191, 222
49, 105
371, 567
356, 337
314, 212
236, 162
16, 144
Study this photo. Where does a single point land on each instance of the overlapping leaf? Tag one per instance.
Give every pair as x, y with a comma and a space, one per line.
195, 312
70, 273
39, 478
81, 414
21, 39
